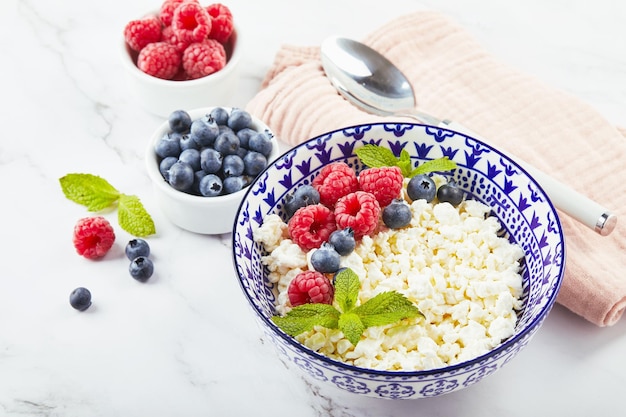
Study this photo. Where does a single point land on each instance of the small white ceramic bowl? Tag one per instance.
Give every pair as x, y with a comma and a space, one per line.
198, 214
161, 97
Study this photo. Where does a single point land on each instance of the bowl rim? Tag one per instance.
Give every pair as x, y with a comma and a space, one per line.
152, 166
217, 76
527, 331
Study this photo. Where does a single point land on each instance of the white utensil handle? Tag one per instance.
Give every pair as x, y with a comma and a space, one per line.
564, 198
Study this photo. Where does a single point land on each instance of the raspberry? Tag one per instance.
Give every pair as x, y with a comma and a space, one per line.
159, 59
93, 237
384, 182
191, 22
221, 22
335, 181
168, 35
141, 32
310, 226
310, 287
359, 211
203, 58
166, 14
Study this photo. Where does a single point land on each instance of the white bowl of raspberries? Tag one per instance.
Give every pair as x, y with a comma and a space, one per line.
201, 162
182, 56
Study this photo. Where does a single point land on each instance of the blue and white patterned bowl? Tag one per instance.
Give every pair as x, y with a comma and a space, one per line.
528, 217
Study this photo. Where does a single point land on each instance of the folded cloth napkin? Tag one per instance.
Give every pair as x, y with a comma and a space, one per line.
455, 78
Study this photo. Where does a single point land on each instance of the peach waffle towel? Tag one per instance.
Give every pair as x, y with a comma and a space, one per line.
456, 79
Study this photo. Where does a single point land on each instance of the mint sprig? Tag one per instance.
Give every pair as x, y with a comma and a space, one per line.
375, 156
385, 308
97, 194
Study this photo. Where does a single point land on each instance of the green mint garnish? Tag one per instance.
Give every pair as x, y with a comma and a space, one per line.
375, 156
97, 194
385, 308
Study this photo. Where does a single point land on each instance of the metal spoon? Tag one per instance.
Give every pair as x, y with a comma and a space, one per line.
372, 83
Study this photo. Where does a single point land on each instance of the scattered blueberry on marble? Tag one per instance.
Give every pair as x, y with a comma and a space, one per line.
141, 268
137, 247
80, 298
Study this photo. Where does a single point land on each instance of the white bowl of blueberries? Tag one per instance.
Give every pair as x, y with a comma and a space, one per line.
201, 161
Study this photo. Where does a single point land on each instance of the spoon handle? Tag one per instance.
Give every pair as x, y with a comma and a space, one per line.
564, 198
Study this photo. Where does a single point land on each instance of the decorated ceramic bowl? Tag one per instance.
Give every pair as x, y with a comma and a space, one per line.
485, 174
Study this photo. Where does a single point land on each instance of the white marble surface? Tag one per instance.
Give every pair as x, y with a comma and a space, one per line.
186, 344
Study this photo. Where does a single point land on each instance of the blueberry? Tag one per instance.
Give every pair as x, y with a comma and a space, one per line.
302, 196
242, 152
220, 115
187, 142
343, 241
165, 165
224, 128
180, 176
421, 187
239, 119
211, 185
192, 157
450, 193
197, 177
204, 131
397, 214
255, 163
80, 298
227, 143
179, 121
168, 145
210, 160
141, 268
137, 247
261, 142
234, 184
325, 259
232, 166
244, 136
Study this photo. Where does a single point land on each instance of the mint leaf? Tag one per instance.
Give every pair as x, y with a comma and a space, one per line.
303, 317
347, 286
376, 156
386, 308
89, 190
97, 194
439, 164
404, 163
133, 217
351, 326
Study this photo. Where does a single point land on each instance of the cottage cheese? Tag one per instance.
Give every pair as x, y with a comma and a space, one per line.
450, 262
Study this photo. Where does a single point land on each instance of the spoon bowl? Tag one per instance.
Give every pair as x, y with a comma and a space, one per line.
366, 77
374, 84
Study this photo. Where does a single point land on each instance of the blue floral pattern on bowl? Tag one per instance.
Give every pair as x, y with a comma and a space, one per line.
527, 216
